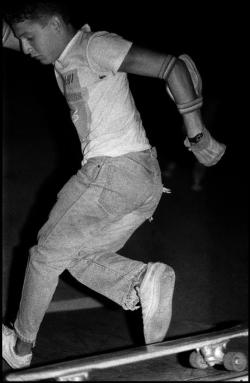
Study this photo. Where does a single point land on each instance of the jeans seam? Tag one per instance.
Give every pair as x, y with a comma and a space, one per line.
105, 267
44, 240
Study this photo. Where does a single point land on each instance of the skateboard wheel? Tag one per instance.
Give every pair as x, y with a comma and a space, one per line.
235, 361
196, 360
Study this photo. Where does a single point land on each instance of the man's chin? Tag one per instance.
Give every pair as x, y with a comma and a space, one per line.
42, 60
45, 61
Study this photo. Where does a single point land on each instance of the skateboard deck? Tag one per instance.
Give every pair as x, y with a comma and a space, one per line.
208, 349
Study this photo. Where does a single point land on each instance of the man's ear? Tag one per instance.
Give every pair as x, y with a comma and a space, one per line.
56, 23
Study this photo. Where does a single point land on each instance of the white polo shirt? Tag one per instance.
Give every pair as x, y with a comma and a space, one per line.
101, 104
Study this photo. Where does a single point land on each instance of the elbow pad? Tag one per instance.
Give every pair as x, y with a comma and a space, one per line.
197, 83
167, 67
194, 73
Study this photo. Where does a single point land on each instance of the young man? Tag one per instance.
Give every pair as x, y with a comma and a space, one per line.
119, 184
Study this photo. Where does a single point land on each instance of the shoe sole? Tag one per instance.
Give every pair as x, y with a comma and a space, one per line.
14, 366
8, 361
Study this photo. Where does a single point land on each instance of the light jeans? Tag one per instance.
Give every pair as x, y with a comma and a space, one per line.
96, 212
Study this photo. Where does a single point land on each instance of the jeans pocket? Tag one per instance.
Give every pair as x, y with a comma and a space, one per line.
113, 198
124, 191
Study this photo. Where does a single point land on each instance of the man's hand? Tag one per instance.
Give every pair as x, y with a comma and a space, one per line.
8, 38
208, 151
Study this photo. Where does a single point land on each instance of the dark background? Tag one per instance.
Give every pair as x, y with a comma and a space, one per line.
202, 235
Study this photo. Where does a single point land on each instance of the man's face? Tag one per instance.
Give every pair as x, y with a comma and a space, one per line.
40, 42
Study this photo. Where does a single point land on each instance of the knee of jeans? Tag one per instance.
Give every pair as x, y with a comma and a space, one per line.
40, 257
36, 254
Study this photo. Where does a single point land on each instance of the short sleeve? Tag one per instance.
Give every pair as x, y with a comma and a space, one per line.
106, 51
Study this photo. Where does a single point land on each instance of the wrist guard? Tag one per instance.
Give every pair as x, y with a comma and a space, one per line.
207, 150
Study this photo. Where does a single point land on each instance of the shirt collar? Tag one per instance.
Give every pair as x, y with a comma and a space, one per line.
60, 60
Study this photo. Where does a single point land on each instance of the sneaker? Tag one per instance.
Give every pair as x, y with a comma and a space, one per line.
156, 293
8, 343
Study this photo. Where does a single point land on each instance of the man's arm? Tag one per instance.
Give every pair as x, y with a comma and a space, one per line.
8, 38
183, 84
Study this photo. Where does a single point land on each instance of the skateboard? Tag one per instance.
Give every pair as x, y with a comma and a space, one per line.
206, 349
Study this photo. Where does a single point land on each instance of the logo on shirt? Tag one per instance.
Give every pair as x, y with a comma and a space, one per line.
69, 79
77, 97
